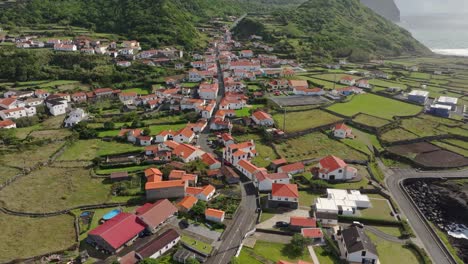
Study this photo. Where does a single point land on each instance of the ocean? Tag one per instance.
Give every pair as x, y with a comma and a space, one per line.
445, 34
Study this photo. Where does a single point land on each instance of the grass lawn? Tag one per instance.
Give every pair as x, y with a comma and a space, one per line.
456, 142
89, 149
52, 189
156, 129
51, 134
452, 148
190, 84
421, 75
324, 257
140, 91
316, 145
390, 253
307, 198
24, 237
387, 84
23, 132
275, 252
380, 210
422, 127
391, 230
324, 84
246, 110
266, 215
370, 120
7, 172
375, 105
245, 257
299, 121
364, 183
199, 245
127, 169
397, 134
30, 157
265, 153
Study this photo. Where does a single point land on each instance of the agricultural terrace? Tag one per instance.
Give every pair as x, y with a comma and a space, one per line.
90, 149
31, 156
376, 106
397, 134
52, 189
300, 121
316, 145
7, 173
23, 237
371, 121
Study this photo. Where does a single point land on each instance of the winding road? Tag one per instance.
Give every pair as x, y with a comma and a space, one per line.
393, 179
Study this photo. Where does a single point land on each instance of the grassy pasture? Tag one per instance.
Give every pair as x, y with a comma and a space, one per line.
300, 121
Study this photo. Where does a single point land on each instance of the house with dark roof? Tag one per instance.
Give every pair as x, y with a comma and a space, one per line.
159, 245
358, 248
115, 233
156, 214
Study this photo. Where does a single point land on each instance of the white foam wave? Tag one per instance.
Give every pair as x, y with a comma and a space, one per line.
452, 52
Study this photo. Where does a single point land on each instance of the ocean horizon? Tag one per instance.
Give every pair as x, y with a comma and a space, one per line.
444, 33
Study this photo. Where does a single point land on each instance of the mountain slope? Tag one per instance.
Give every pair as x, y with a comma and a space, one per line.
346, 26
385, 8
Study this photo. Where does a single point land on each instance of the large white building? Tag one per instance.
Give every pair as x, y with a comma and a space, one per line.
57, 106
75, 117
342, 202
19, 112
418, 96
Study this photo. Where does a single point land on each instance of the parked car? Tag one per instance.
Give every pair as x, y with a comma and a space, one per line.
184, 224
358, 224
282, 224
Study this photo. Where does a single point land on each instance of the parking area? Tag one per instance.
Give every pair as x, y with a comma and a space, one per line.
270, 223
200, 230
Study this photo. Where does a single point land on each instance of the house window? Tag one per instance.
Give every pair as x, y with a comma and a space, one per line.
285, 199
363, 253
340, 171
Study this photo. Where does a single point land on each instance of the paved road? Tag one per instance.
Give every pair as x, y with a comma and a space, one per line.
431, 243
243, 222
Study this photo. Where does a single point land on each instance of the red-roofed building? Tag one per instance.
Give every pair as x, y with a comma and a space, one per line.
187, 203
7, 124
165, 189
333, 168
116, 232
184, 135
296, 223
294, 168
156, 214
187, 152
214, 215
275, 164
348, 80
79, 97
201, 193
284, 195
103, 92
315, 234
342, 131
211, 161
301, 84
262, 119
160, 245
264, 180
208, 91
241, 151
182, 175
246, 53
248, 169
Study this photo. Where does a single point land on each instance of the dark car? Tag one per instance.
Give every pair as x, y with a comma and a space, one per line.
184, 224
282, 224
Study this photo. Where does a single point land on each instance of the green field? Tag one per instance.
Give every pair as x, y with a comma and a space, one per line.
31, 156
127, 169
140, 91
397, 134
24, 237
316, 145
307, 198
155, 129
300, 121
371, 121
456, 149
7, 173
199, 245
269, 252
390, 253
375, 105
380, 210
246, 110
51, 189
265, 153
387, 84
90, 149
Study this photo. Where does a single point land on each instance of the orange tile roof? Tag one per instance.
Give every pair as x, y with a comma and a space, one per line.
188, 202
171, 144
186, 132
312, 232
248, 166
164, 184
6, 122
260, 115
208, 189
298, 83
176, 174
208, 159
214, 213
184, 150
153, 172
284, 190
342, 126
292, 167
302, 221
193, 190
332, 163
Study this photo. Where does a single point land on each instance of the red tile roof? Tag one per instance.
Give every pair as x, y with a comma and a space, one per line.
302, 221
332, 163
292, 167
209, 159
155, 214
188, 202
248, 166
164, 184
7, 101
284, 190
119, 230
342, 126
260, 115
279, 161
214, 213
6, 123
312, 232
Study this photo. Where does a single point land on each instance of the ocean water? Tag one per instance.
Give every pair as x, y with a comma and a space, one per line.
445, 34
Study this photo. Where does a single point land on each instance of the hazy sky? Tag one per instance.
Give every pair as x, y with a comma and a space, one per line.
432, 6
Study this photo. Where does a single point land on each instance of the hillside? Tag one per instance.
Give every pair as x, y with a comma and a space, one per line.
385, 8
333, 28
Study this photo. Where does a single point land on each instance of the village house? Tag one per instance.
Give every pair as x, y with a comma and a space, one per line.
184, 135
10, 103
19, 112
308, 92
119, 176
205, 193
79, 97
128, 98
115, 233
418, 96
158, 246
294, 168
296, 223
278, 84
363, 84
275, 164
241, 151
284, 195
298, 84
226, 139
214, 215
208, 91
74, 117
342, 202
261, 118
210, 161
65, 47
335, 169
245, 65
358, 248
43, 94
7, 124
186, 204
18, 94
165, 189
246, 54
182, 175
315, 235
248, 169
348, 80
187, 153
264, 180
347, 91
154, 215
342, 131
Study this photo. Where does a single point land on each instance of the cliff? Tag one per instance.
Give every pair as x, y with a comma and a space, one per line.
385, 8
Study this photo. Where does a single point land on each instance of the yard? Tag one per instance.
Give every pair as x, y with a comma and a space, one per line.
140, 91
376, 106
316, 145
300, 121
264, 252
246, 110
23, 237
90, 149
324, 257
199, 245
380, 210
307, 198
390, 253
52, 189
265, 153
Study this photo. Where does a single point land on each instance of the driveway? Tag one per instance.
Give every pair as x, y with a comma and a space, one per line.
270, 223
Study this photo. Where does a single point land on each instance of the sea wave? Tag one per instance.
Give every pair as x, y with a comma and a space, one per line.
452, 52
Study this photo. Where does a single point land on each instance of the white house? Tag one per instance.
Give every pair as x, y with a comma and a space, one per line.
363, 84
145, 140
205, 193
75, 117
214, 215
128, 98
284, 195
208, 91
348, 80
160, 245
18, 112
7, 124
185, 135
262, 119
334, 168
246, 53
264, 180
57, 106
418, 96
358, 247
194, 76
247, 168
342, 131
242, 151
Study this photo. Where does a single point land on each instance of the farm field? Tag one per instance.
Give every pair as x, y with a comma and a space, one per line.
52, 189
7, 173
316, 145
453, 148
32, 156
397, 134
387, 84
376, 106
325, 84
20, 235
51, 134
300, 121
140, 91
371, 121
421, 127
265, 152
127, 169
89, 149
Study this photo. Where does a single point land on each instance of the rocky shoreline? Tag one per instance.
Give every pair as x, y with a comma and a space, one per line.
445, 204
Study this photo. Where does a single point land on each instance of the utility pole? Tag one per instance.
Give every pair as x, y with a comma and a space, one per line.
284, 119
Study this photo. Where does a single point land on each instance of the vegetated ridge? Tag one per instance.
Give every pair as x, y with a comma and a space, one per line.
385, 8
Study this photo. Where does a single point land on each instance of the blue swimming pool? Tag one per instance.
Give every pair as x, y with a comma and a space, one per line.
111, 214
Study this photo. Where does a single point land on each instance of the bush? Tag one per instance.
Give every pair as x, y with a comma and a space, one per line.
422, 255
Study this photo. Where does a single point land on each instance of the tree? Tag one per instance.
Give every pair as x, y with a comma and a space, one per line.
298, 244
199, 208
109, 125
147, 131
192, 261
